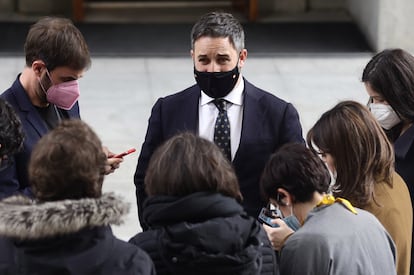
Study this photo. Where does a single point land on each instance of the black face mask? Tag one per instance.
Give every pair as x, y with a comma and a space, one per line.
219, 84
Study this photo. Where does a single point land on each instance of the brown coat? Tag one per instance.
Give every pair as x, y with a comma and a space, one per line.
392, 207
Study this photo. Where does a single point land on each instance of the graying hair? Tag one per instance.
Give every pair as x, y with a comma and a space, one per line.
219, 24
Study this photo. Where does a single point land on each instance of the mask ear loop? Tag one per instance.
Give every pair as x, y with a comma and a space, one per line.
370, 100
41, 85
291, 210
279, 201
50, 80
49, 76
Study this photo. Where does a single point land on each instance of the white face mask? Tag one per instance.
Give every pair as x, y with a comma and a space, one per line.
385, 115
333, 175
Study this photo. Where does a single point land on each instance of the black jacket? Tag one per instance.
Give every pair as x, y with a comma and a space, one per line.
66, 237
204, 233
404, 164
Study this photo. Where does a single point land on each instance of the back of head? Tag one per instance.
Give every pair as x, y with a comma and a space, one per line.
186, 164
57, 42
11, 132
360, 149
296, 169
219, 24
391, 74
67, 163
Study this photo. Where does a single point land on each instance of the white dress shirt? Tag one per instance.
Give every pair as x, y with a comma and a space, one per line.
208, 113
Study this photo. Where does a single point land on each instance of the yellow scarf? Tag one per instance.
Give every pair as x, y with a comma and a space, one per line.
329, 199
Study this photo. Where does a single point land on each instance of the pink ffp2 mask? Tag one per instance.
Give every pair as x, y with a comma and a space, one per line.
64, 95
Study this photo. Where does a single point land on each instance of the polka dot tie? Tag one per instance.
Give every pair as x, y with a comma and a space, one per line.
222, 128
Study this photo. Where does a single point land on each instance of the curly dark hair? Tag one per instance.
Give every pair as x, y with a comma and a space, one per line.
67, 163
11, 132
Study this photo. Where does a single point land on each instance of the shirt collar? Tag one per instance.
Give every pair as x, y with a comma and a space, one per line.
235, 96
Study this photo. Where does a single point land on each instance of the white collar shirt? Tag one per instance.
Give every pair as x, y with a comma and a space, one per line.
208, 113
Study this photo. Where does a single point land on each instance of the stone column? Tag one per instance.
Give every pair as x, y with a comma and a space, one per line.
386, 24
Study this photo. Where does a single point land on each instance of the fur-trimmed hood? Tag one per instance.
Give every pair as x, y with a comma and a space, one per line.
26, 219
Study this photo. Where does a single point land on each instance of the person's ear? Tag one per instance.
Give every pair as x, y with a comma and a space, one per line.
242, 57
284, 197
38, 66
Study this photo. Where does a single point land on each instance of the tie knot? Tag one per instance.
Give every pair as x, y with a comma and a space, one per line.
220, 104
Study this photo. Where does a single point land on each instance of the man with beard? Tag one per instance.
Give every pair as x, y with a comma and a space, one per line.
46, 92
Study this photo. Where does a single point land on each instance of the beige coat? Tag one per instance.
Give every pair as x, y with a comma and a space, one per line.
392, 207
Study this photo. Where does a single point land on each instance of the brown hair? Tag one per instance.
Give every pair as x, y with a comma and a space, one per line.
296, 169
362, 153
185, 164
67, 163
57, 42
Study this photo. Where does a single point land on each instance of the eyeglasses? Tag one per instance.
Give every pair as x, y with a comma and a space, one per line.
5, 162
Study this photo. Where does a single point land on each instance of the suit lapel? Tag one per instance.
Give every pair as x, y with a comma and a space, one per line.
33, 117
189, 111
30, 113
252, 118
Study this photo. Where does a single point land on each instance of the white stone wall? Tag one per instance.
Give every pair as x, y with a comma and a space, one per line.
386, 24
366, 14
396, 25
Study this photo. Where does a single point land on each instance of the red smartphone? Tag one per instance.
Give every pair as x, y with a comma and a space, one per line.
123, 154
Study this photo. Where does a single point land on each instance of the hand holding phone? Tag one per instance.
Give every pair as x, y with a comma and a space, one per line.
266, 217
123, 154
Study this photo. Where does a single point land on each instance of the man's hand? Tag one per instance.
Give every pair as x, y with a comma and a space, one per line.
112, 163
